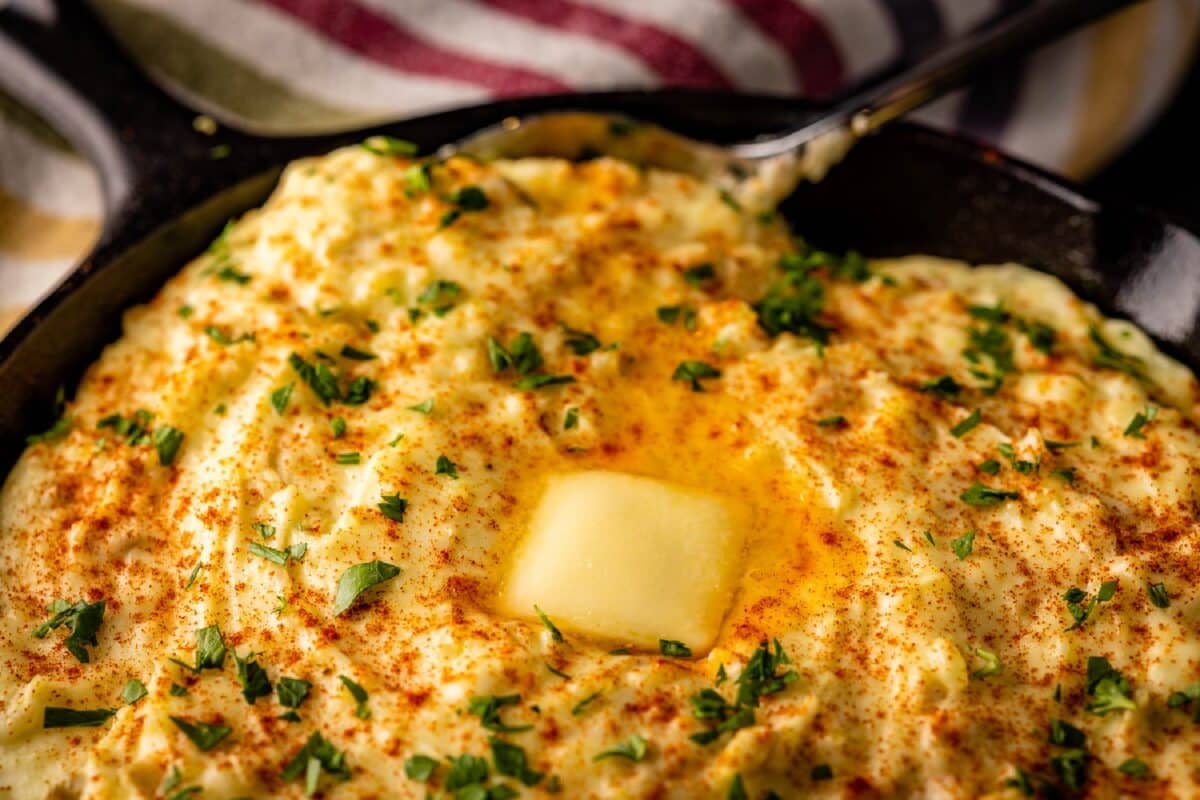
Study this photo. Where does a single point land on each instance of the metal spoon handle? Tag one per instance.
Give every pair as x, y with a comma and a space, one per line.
949, 67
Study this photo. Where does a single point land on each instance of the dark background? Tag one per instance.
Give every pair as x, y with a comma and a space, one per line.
1162, 168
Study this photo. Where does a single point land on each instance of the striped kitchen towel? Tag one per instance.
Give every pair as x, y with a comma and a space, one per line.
292, 66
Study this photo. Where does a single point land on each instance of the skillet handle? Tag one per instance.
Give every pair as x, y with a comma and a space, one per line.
68, 70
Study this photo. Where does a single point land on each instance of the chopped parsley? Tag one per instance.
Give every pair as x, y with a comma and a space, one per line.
294, 552
1158, 595
684, 315
316, 756
902, 545
418, 178
348, 459
354, 354
1040, 335
58, 717
324, 384
440, 296
420, 768
989, 467
167, 441
1055, 447
446, 467
357, 579
583, 704
555, 633
338, 424
133, 691
185, 311
699, 275
468, 198
963, 545
633, 748
280, 398
1021, 466
424, 407
967, 424
511, 760
571, 418
81, 618
694, 372
524, 357
944, 386
581, 343
134, 430
252, 677
263, 530
210, 648
1188, 695
487, 708
762, 676
1134, 768
540, 381
1108, 689
1140, 421
1066, 473
989, 355
1075, 598
736, 790
393, 507
1111, 358
319, 378
204, 735
465, 770
360, 697
673, 649
793, 304
979, 495
991, 663
388, 146
833, 422
224, 339
292, 692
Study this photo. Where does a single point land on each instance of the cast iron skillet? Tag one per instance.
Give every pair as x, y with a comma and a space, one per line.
908, 190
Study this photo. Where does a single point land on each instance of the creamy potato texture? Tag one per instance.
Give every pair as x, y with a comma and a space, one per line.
962, 507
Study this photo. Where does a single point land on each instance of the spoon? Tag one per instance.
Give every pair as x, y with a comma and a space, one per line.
759, 174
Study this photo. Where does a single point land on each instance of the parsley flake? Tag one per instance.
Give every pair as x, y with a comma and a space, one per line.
963, 545
694, 372
204, 735
393, 507
487, 708
252, 677
555, 633
511, 760
82, 619
357, 579
360, 697
133, 691
446, 467
633, 748
420, 768
1158, 595
674, 649
967, 424
1140, 421
59, 717
979, 495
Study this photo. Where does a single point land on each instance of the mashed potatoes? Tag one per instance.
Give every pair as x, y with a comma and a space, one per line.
941, 520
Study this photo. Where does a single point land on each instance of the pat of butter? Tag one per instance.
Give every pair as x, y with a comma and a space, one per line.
628, 558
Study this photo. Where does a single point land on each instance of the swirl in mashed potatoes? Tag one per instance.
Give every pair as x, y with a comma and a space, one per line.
792, 522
